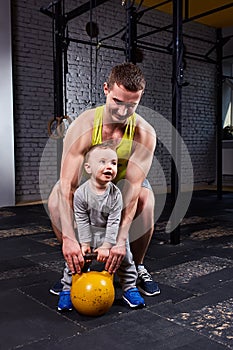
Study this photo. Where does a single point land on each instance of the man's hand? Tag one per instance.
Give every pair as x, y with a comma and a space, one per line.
73, 254
117, 254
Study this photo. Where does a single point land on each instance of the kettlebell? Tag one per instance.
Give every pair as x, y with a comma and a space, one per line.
92, 293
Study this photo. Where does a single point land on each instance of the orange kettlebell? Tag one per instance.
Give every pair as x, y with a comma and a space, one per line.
92, 293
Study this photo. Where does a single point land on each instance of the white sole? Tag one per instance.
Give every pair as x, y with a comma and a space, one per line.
140, 306
59, 309
148, 294
53, 292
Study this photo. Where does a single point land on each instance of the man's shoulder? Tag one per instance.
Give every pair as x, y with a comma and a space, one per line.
82, 123
143, 125
88, 115
89, 112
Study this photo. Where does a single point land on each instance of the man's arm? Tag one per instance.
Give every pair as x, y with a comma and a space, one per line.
138, 167
76, 143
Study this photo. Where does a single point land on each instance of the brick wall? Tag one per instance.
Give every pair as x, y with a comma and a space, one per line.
33, 90
33, 93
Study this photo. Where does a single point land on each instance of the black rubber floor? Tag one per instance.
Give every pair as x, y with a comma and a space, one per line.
193, 311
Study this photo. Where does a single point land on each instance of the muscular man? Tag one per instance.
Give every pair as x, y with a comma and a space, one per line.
135, 144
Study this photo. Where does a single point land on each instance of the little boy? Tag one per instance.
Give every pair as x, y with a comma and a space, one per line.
97, 210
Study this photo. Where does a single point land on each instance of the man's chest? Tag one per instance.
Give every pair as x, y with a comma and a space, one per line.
112, 134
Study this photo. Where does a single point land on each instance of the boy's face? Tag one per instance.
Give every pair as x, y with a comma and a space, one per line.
102, 165
121, 103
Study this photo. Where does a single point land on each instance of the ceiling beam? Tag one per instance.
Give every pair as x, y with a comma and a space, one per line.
186, 20
141, 13
207, 13
83, 9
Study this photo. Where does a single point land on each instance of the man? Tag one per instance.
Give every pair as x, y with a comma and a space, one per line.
136, 141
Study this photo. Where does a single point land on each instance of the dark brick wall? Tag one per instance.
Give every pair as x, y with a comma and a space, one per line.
33, 93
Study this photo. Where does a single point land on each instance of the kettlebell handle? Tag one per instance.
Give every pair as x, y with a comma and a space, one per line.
90, 256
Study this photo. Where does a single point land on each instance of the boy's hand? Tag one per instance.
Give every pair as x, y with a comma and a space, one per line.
103, 253
85, 248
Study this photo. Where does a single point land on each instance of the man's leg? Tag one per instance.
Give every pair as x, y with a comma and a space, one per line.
142, 227
53, 207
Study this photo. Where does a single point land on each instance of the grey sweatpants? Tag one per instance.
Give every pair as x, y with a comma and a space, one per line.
127, 273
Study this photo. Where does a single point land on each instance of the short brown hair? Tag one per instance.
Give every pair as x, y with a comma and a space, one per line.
111, 144
127, 74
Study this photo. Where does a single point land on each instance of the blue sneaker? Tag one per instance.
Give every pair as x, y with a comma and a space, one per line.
57, 288
133, 298
145, 284
65, 303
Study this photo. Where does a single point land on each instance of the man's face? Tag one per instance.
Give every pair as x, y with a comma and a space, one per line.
102, 165
121, 103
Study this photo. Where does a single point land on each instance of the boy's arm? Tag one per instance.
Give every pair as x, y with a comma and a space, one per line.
113, 222
112, 228
82, 219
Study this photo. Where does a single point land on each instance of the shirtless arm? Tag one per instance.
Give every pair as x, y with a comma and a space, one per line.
138, 167
76, 143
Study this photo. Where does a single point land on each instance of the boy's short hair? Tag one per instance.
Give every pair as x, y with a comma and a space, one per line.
129, 75
104, 145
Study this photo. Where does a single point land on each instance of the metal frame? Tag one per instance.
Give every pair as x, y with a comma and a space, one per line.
177, 82
219, 52
132, 42
131, 32
61, 42
60, 64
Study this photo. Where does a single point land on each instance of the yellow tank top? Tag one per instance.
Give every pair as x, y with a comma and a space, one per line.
125, 146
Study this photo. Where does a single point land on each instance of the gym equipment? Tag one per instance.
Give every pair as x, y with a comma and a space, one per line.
56, 126
92, 293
